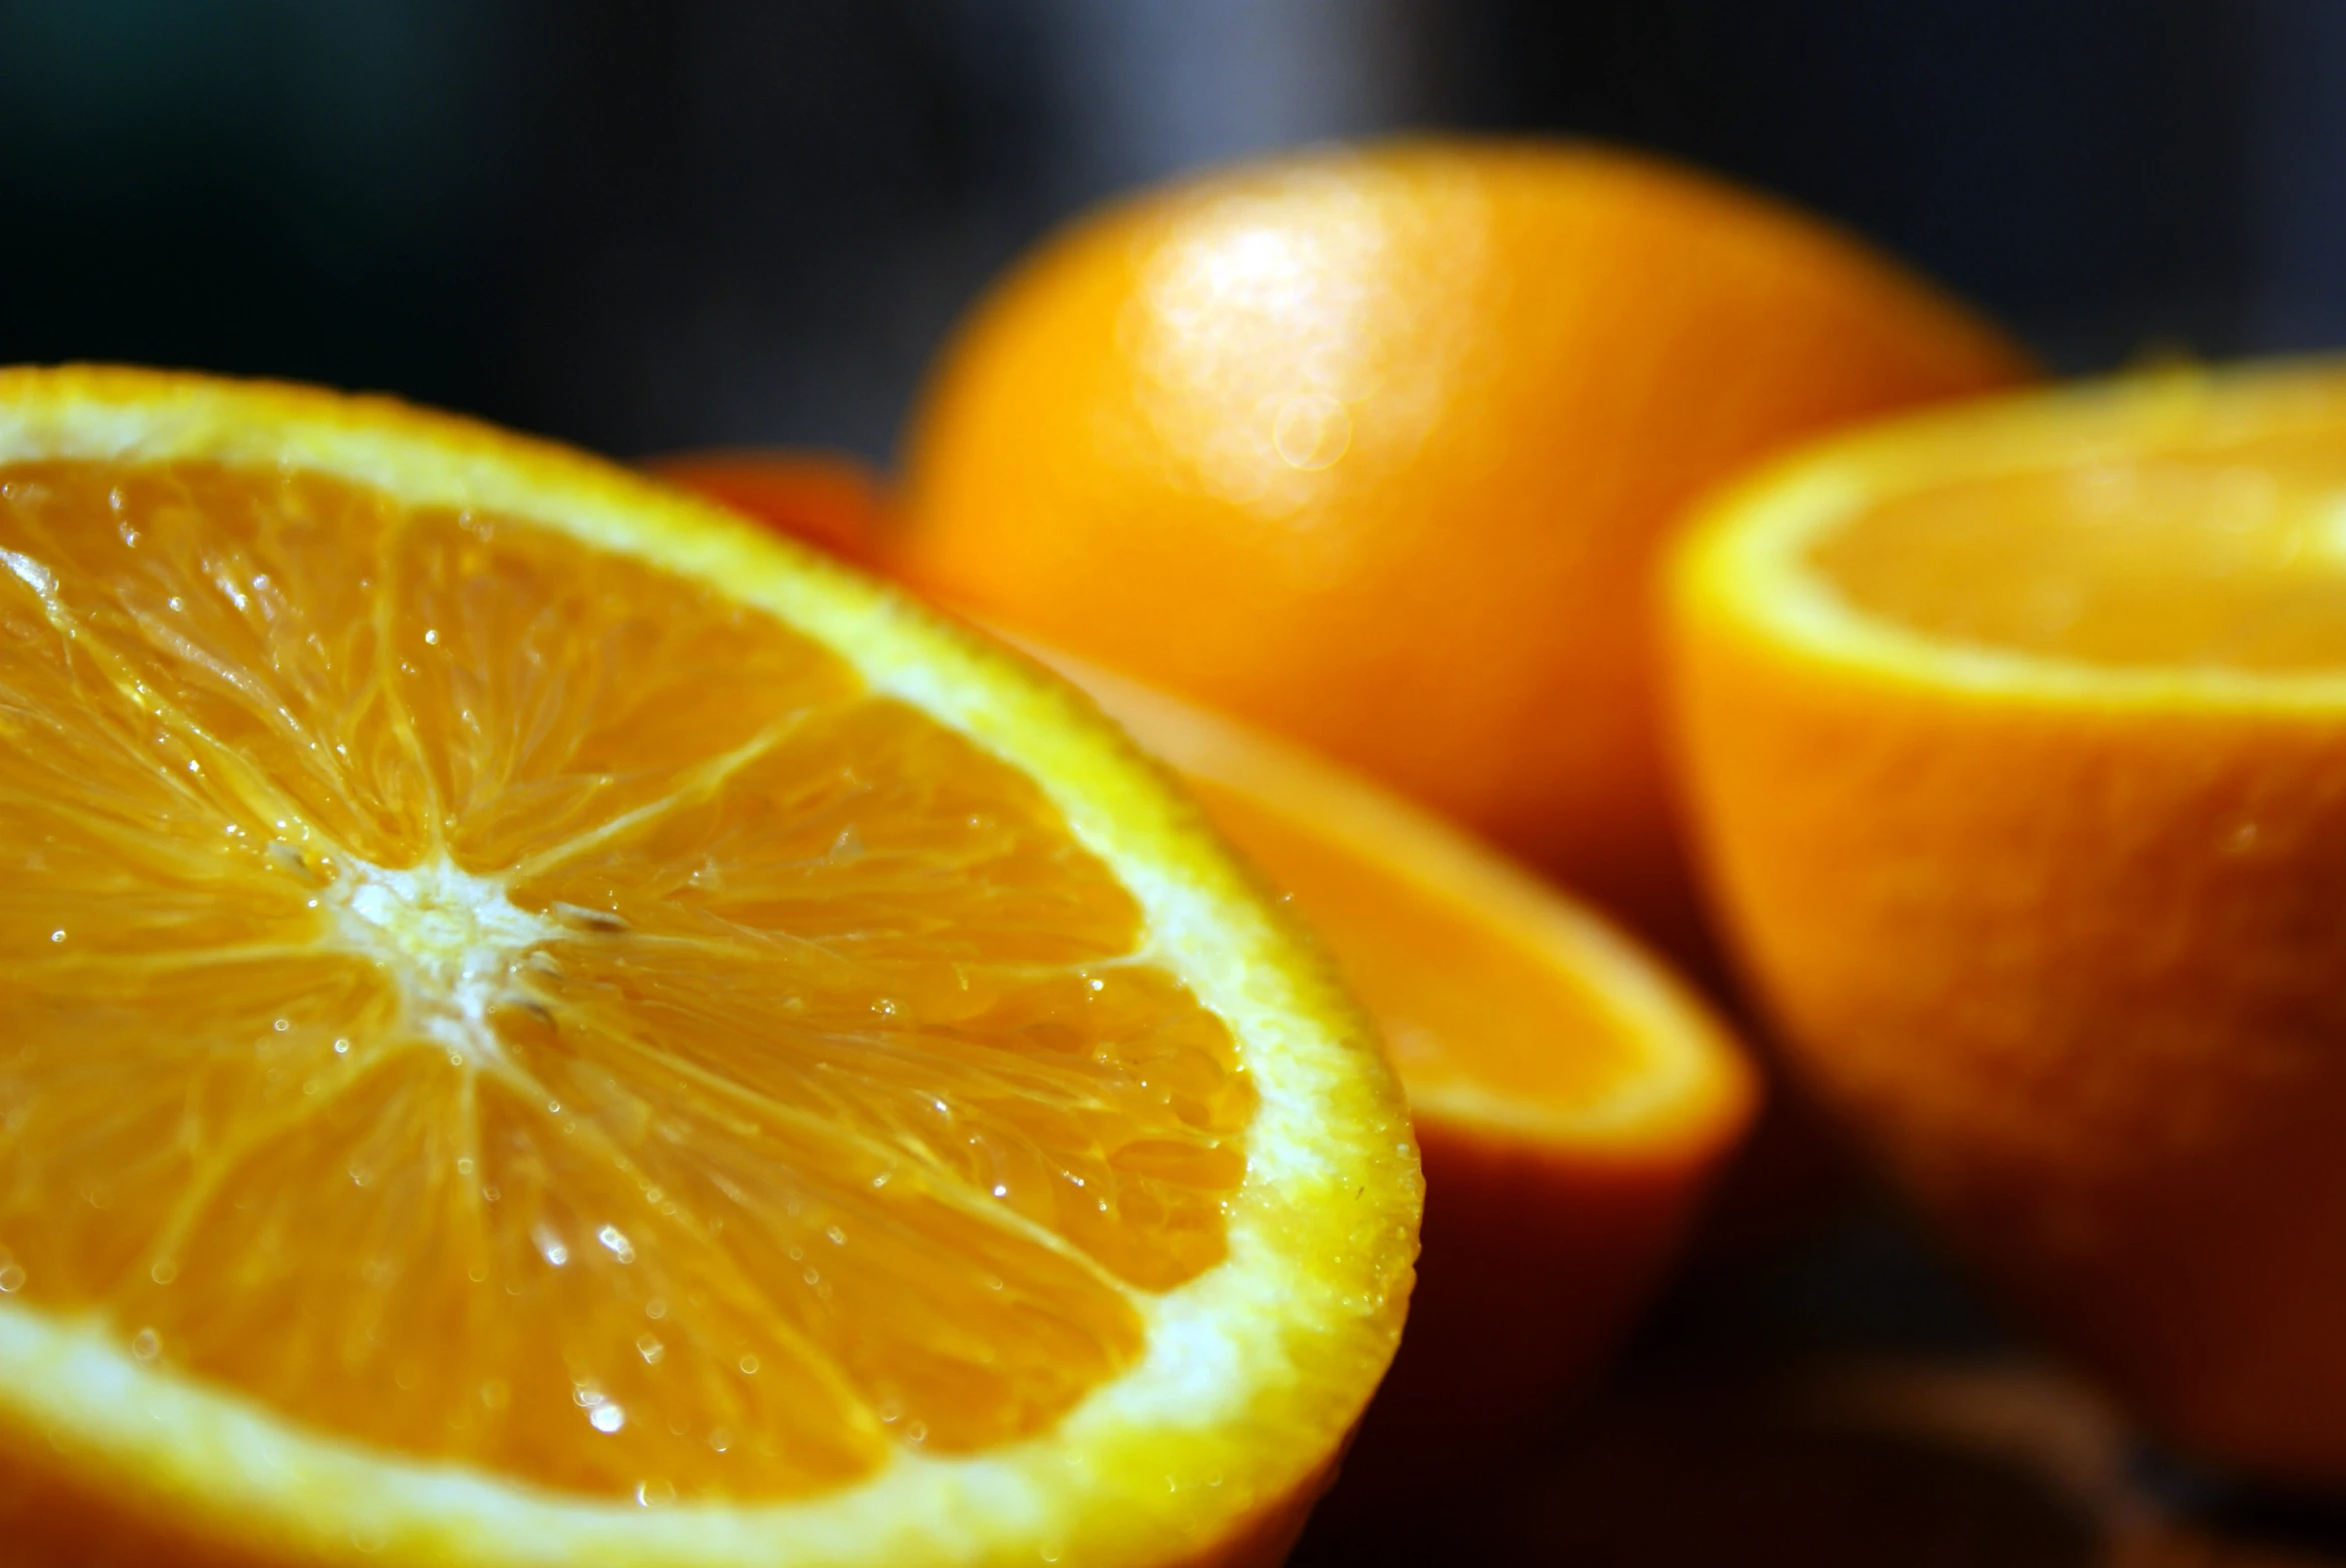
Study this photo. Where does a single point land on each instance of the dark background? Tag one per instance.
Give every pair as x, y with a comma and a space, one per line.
643, 226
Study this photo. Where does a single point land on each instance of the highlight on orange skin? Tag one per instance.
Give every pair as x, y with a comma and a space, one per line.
830, 500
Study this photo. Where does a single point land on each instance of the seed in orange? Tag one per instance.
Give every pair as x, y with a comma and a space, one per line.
542, 1024
1375, 447
2017, 736
1571, 1097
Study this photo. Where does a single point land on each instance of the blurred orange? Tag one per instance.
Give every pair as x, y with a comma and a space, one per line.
2017, 735
1573, 1100
1375, 447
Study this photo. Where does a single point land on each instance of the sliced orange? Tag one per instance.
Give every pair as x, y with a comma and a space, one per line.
543, 1025
2017, 737
1572, 1099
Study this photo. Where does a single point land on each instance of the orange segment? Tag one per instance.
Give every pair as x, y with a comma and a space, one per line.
2015, 737
484, 994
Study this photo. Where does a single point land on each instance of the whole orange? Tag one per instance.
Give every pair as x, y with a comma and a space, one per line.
1376, 446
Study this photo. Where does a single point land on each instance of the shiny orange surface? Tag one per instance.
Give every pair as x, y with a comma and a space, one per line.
1375, 447
489, 1000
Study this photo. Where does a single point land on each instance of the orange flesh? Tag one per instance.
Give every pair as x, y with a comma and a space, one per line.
494, 1001
1461, 1001
2228, 554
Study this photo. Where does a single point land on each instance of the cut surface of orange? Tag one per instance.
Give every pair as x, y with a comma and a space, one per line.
2015, 735
541, 1025
1572, 1099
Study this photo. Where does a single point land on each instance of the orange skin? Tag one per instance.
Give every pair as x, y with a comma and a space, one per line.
2029, 955
1375, 447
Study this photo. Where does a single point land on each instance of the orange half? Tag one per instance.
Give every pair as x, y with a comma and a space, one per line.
1572, 1099
2017, 739
541, 1025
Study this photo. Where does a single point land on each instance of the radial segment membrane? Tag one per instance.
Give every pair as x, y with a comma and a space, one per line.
493, 1000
